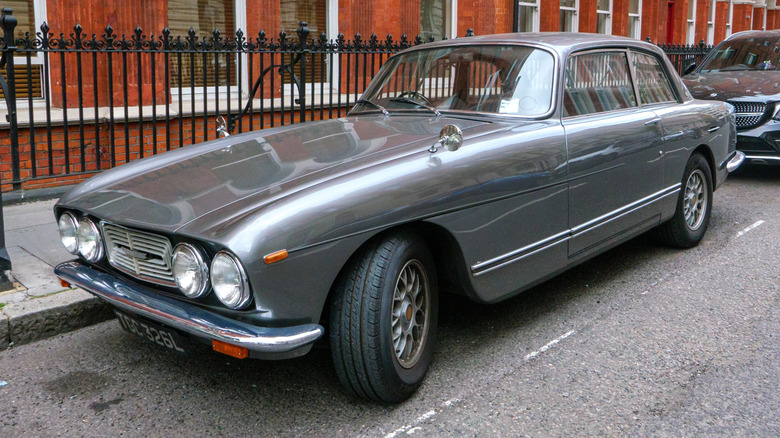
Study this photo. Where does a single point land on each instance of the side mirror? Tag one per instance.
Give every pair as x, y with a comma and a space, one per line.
690, 68
450, 137
222, 130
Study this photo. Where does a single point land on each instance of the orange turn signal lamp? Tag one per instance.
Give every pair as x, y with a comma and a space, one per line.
64, 283
275, 256
229, 349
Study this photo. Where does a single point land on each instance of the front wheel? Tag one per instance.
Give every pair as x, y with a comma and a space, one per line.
692, 216
383, 319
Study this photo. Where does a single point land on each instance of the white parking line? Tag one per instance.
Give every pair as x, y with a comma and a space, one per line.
412, 428
742, 233
547, 346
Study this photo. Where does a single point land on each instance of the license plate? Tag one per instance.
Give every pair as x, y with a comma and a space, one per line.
155, 333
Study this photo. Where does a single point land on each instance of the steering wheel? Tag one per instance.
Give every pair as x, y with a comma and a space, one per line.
416, 94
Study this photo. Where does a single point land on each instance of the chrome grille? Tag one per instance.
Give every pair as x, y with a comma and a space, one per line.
145, 256
748, 114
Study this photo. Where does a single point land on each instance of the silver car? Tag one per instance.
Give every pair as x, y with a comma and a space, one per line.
479, 166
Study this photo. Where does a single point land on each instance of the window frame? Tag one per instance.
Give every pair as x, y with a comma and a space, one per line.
690, 30
711, 23
39, 17
608, 20
534, 14
239, 18
638, 25
575, 25
677, 97
625, 51
555, 99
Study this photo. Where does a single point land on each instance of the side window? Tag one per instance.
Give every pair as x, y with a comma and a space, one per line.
597, 82
652, 82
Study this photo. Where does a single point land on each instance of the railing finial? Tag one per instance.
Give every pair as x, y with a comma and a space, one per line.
303, 31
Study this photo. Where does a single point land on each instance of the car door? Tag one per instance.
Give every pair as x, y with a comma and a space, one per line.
615, 152
683, 124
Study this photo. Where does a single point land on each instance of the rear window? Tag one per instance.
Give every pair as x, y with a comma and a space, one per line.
757, 53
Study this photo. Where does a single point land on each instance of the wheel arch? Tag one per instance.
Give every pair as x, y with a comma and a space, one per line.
706, 152
451, 275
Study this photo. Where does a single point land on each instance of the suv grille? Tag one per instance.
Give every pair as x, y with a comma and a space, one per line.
142, 255
749, 114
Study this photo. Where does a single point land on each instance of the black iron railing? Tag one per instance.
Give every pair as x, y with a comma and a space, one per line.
106, 100
88, 103
683, 55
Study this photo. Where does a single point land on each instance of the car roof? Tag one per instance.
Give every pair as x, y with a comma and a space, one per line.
754, 34
561, 42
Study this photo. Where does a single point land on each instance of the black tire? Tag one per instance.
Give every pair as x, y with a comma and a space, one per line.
361, 323
683, 230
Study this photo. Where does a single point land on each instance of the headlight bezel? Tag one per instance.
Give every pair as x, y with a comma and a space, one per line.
71, 218
100, 250
202, 265
245, 294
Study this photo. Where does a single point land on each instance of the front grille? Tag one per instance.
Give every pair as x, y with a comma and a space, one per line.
145, 256
749, 114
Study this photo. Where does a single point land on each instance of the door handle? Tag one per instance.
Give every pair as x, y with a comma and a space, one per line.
713, 129
653, 122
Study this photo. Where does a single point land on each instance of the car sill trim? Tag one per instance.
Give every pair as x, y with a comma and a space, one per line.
481, 268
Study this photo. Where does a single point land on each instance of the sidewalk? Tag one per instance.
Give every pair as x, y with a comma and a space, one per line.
40, 307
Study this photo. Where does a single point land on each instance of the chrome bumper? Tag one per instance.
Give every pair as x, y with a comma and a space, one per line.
735, 161
183, 316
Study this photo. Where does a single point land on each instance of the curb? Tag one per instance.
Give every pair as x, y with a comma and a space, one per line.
51, 315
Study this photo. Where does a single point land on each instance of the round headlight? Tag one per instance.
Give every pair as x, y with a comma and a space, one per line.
90, 242
69, 232
229, 280
190, 271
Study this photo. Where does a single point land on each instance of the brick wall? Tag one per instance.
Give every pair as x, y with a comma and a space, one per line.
130, 142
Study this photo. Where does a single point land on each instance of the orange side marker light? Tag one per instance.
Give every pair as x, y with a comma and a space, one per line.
275, 256
64, 283
230, 350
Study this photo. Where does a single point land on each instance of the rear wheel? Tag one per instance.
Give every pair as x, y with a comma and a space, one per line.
383, 319
694, 204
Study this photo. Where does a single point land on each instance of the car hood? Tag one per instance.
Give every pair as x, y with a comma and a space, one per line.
168, 191
752, 85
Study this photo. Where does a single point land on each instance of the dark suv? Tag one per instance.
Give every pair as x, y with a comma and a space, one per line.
744, 70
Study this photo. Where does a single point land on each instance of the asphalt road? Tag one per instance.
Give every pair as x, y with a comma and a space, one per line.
643, 340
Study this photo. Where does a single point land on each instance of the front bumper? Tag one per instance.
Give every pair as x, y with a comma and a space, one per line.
761, 144
269, 342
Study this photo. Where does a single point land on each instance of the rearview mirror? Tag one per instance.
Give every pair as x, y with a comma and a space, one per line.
690, 68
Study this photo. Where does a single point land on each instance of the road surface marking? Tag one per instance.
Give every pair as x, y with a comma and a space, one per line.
547, 346
757, 224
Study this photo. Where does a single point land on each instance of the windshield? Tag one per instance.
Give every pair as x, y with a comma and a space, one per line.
510, 79
758, 53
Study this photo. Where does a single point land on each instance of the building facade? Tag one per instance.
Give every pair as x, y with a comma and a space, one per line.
91, 97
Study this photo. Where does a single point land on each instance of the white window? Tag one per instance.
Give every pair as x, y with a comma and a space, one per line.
436, 19
691, 33
527, 16
196, 74
635, 19
30, 15
729, 19
763, 23
711, 23
604, 16
568, 16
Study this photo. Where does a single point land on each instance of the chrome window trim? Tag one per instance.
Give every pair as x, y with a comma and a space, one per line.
556, 95
516, 255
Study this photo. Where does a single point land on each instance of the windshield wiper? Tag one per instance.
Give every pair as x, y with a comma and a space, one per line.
404, 99
374, 104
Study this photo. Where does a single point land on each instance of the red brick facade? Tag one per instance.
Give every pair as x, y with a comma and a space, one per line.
663, 21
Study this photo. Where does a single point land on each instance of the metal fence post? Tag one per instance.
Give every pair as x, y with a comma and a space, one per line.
303, 35
8, 23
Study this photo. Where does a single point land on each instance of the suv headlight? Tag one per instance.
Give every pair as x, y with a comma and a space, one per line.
90, 244
190, 271
229, 280
69, 228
